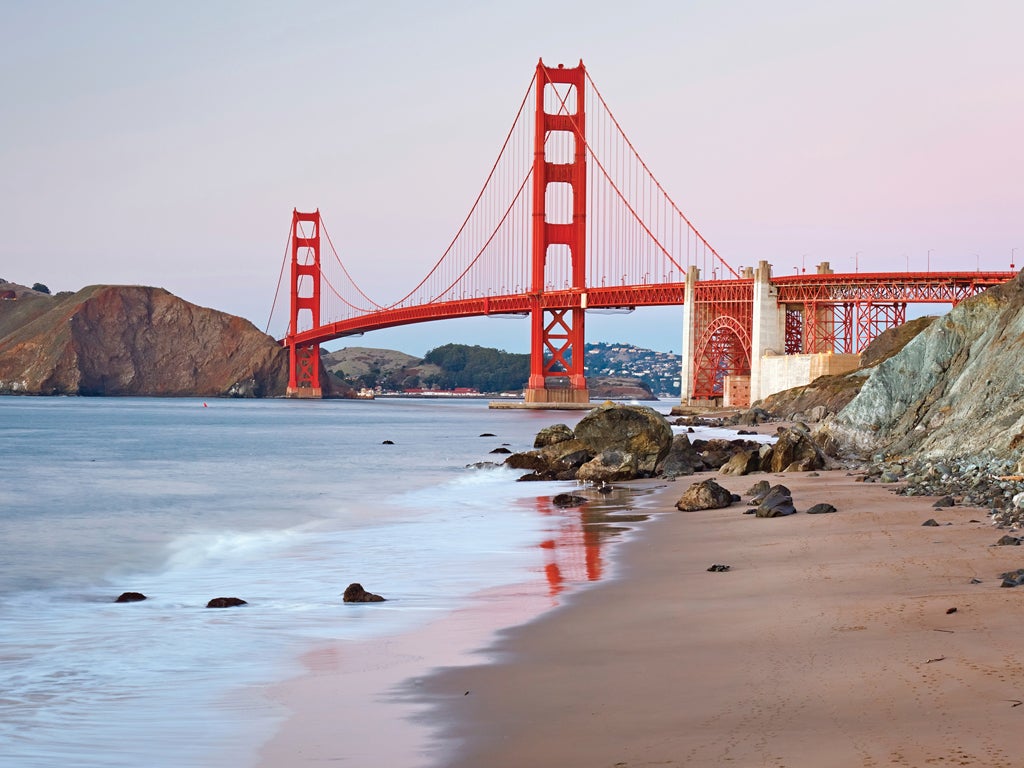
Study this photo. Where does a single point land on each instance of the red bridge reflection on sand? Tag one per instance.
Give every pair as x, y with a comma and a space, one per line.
573, 554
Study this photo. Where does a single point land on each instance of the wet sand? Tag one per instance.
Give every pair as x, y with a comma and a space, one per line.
828, 643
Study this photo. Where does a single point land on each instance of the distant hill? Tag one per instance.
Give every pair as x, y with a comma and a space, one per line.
131, 340
613, 370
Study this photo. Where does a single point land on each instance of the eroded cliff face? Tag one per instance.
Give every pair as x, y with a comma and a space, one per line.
134, 340
955, 390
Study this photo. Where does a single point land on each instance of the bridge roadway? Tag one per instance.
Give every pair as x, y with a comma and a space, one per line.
878, 287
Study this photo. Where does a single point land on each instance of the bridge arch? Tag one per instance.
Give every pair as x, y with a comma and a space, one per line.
723, 349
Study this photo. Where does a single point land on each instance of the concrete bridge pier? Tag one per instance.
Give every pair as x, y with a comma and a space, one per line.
689, 331
768, 331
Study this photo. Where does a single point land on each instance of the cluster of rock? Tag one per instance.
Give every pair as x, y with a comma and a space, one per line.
765, 499
617, 442
354, 593
996, 484
613, 442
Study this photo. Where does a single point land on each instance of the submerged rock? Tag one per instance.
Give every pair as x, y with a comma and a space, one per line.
130, 597
354, 593
225, 602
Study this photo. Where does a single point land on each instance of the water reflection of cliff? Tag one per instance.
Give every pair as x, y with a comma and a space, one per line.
576, 534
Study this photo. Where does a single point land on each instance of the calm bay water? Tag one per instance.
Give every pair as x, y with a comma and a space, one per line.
281, 503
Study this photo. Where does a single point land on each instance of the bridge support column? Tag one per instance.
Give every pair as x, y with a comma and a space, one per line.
557, 338
689, 334
304, 359
768, 332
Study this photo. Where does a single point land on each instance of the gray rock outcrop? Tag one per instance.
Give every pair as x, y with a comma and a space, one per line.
954, 390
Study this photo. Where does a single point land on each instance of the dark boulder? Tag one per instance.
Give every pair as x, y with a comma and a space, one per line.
556, 433
501, 450
793, 451
821, 509
704, 495
681, 459
945, 501
719, 568
931, 523
609, 466
354, 593
225, 602
1012, 578
130, 597
1008, 541
632, 429
742, 463
758, 490
567, 500
778, 502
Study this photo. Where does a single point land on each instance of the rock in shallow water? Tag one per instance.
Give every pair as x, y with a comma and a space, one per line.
354, 593
225, 602
130, 597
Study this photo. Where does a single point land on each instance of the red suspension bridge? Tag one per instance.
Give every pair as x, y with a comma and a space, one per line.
571, 219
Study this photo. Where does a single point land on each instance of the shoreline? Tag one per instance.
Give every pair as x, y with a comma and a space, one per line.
361, 701
829, 643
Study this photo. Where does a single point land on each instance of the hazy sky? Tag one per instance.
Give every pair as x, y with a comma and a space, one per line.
166, 144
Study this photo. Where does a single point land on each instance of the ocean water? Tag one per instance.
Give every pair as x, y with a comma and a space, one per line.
280, 503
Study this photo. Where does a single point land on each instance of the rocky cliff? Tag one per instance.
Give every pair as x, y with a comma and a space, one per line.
955, 390
132, 340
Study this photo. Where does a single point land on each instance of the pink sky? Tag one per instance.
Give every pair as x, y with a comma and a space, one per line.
167, 144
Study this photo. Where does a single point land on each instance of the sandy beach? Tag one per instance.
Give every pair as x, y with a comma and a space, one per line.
831, 641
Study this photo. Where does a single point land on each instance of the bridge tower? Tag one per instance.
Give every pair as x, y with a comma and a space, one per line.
304, 360
556, 333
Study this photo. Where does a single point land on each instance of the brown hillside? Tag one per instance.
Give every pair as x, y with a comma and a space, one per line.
133, 340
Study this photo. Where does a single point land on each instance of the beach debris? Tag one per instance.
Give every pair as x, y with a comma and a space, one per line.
821, 509
1015, 702
945, 501
564, 500
354, 593
225, 602
1007, 541
758, 491
704, 495
719, 568
950, 610
1012, 578
778, 502
931, 522
130, 597
937, 658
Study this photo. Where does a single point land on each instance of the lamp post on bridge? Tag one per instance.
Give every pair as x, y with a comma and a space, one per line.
856, 262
